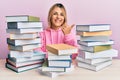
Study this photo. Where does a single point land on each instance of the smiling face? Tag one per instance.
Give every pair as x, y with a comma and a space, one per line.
57, 18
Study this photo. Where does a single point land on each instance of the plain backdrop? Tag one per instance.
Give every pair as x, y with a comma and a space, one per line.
78, 12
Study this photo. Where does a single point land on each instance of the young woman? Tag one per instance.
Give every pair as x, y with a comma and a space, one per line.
58, 30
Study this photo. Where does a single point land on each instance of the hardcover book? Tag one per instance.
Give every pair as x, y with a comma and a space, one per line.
95, 43
17, 18
93, 27
21, 31
94, 49
101, 54
97, 33
95, 67
24, 36
19, 25
61, 49
23, 42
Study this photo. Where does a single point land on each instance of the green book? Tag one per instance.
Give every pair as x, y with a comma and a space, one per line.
18, 18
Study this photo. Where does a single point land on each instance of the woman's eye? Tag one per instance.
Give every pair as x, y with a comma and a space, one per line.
55, 13
61, 14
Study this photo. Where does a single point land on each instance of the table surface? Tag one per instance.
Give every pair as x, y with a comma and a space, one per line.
110, 73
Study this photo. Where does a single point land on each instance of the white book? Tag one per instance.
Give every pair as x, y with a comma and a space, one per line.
23, 42
21, 64
20, 31
93, 61
20, 54
18, 25
24, 47
95, 67
101, 54
93, 27
58, 57
94, 38
24, 36
55, 74
59, 63
26, 59
95, 43
22, 69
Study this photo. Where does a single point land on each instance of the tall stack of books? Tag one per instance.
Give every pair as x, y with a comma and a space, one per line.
95, 46
59, 60
24, 38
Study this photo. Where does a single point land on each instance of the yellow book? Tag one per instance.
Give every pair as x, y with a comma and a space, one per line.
98, 33
61, 49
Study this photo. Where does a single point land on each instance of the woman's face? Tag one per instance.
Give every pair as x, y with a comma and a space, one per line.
57, 18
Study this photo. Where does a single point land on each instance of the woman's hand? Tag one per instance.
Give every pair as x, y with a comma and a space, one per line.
67, 29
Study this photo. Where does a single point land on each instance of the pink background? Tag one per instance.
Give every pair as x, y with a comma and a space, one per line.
79, 12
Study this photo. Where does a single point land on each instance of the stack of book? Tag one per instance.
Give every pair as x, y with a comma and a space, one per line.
24, 38
95, 46
59, 60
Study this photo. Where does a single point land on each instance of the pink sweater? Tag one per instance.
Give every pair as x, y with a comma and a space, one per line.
51, 36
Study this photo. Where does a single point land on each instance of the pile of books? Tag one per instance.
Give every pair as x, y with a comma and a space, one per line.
59, 60
95, 46
24, 38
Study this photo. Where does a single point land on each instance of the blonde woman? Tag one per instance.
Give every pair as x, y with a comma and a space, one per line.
58, 31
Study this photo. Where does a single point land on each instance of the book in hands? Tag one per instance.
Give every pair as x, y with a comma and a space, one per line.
93, 27
20, 18
61, 49
26, 25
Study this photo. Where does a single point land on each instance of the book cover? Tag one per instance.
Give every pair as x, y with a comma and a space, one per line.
61, 49
97, 33
94, 49
93, 27
19, 25
17, 18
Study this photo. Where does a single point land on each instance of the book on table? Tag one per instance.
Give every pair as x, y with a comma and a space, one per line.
93, 27
19, 25
61, 49
95, 33
23, 42
94, 49
24, 68
24, 36
95, 67
17, 18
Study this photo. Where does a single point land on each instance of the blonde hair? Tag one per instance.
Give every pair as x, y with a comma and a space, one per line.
50, 14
